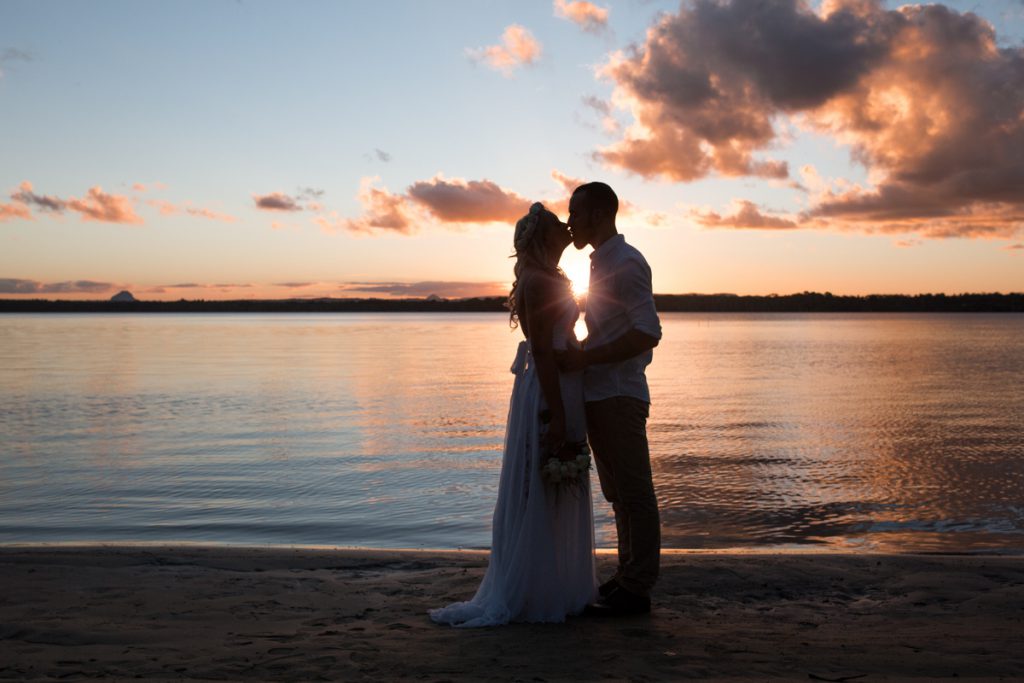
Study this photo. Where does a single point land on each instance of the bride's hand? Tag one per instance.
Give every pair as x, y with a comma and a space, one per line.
555, 435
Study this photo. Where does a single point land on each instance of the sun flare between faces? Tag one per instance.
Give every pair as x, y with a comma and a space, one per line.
576, 266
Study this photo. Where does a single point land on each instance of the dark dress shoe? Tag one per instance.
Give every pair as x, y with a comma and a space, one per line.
618, 603
607, 587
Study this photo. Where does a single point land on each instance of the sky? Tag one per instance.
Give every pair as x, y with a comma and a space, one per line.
236, 149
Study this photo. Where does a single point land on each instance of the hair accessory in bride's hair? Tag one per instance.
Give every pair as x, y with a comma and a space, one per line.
527, 227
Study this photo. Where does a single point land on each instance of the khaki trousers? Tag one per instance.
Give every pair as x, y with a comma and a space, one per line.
617, 430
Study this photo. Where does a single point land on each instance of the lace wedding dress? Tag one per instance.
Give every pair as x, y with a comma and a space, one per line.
541, 566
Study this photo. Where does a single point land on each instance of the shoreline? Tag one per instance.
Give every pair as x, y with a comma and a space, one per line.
201, 611
484, 552
804, 302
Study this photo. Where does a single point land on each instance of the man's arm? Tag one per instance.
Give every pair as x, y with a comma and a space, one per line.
631, 344
633, 286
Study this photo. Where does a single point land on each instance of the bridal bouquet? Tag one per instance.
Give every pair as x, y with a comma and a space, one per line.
559, 470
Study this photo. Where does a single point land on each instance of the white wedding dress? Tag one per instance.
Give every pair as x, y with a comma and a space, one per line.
541, 566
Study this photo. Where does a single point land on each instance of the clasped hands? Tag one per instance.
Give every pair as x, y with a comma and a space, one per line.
571, 359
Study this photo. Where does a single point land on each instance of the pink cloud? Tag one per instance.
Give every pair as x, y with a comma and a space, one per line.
382, 211
586, 15
453, 202
627, 209
924, 96
167, 208
101, 207
97, 205
449, 201
747, 216
14, 210
468, 201
518, 48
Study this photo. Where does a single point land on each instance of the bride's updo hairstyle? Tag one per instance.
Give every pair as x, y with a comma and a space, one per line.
530, 253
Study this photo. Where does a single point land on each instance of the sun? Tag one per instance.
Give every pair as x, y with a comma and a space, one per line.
576, 266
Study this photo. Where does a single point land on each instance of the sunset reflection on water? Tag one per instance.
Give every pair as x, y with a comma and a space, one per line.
890, 432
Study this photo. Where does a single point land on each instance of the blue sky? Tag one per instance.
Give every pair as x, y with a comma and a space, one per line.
201, 108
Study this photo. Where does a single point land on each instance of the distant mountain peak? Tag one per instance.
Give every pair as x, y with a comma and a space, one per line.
124, 296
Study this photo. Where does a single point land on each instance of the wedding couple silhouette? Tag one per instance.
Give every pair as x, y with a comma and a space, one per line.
568, 393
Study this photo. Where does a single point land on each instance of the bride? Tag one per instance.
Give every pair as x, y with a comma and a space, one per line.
541, 567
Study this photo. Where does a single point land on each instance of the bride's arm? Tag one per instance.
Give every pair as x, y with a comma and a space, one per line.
538, 297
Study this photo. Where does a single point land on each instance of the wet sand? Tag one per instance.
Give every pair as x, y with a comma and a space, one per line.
227, 613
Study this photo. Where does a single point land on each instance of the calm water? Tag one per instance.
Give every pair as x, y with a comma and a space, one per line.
886, 432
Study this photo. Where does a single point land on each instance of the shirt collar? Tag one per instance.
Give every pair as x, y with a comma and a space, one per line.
607, 247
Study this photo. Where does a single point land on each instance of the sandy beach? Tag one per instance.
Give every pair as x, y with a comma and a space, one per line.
226, 613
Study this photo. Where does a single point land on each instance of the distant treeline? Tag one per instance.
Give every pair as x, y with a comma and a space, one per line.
806, 302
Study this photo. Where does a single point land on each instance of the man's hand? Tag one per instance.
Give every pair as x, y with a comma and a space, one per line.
570, 360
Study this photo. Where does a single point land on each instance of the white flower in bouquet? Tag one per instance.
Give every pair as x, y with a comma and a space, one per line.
556, 471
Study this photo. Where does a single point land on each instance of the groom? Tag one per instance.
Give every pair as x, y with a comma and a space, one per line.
622, 328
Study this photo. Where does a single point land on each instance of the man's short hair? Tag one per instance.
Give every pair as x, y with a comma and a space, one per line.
599, 196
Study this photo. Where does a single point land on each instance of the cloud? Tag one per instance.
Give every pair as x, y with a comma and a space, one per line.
294, 285
167, 208
1014, 247
604, 109
382, 155
924, 97
14, 210
148, 187
518, 48
26, 195
12, 54
586, 15
276, 201
597, 104
19, 286
467, 201
423, 289
382, 211
627, 209
447, 201
452, 202
97, 205
279, 201
311, 193
568, 183
203, 285
747, 216
101, 207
